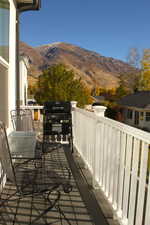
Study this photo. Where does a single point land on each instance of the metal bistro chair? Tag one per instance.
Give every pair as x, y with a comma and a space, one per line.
22, 120
31, 181
24, 142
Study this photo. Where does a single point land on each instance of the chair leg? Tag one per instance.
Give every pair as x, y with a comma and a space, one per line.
49, 208
62, 214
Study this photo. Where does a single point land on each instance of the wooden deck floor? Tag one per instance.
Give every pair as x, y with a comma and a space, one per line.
79, 207
23, 211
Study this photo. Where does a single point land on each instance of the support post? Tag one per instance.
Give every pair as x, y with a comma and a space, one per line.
17, 63
100, 112
74, 104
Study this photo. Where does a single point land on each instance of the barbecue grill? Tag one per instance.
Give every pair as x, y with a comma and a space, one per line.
57, 122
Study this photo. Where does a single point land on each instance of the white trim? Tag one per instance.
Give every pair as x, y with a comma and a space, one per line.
32, 107
4, 62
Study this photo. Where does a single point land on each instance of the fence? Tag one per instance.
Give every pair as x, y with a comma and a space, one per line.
36, 112
117, 155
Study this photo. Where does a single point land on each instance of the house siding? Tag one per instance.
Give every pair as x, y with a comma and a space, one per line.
143, 124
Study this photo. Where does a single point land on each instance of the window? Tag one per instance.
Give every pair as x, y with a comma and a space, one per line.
129, 114
147, 116
4, 29
4, 59
141, 115
4, 94
136, 118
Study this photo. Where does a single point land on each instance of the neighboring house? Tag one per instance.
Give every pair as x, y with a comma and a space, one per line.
31, 101
135, 109
99, 99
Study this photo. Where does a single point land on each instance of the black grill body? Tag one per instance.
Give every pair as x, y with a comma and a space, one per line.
57, 121
57, 107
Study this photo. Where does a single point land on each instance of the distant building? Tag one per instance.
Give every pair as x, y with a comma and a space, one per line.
31, 101
99, 99
135, 109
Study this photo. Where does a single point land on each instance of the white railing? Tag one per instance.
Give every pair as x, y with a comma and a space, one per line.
117, 155
36, 111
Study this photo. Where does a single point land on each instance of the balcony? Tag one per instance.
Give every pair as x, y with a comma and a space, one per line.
110, 176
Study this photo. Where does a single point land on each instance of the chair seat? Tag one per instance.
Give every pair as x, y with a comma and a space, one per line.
22, 144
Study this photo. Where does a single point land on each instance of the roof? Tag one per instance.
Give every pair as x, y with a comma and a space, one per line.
99, 98
140, 99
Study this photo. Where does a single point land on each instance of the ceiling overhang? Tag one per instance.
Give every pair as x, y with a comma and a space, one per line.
25, 5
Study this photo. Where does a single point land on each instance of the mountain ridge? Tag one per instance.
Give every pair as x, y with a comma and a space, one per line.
93, 68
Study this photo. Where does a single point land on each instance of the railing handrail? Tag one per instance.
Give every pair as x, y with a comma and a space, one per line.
32, 107
138, 133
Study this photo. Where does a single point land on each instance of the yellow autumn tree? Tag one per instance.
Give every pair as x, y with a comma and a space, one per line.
145, 64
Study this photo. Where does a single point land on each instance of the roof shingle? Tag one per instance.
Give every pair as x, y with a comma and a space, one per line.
140, 99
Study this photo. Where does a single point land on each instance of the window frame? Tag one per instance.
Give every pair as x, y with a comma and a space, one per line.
130, 114
147, 118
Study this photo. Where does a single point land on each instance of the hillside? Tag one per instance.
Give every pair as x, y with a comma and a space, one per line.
94, 69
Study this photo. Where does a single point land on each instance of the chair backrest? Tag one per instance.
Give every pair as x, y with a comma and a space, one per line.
5, 157
22, 120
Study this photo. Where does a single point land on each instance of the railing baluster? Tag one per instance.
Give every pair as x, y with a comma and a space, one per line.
97, 156
108, 193
134, 180
127, 176
105, 157
101, 154
147, 211
116, 168
121, 173
108, 169
142, 184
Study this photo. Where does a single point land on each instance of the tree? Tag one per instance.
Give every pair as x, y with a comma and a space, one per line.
145, 63
131, 80
133, 57
57, 83
121, 90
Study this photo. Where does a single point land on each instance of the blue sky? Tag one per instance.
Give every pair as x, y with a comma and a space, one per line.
108, 27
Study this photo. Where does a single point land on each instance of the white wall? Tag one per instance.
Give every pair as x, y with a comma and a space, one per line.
7, 77
4, 62
12, 60
4, 94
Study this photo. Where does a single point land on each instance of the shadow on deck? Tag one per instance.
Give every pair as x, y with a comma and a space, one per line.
79, 207
23, 211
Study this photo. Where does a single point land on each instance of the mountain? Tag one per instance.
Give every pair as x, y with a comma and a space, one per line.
93, 68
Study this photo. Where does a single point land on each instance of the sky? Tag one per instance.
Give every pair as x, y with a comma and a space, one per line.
108, 27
